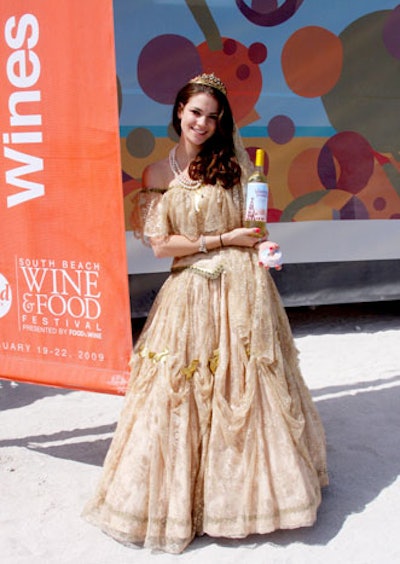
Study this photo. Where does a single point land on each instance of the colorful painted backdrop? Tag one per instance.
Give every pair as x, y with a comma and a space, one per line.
316, 84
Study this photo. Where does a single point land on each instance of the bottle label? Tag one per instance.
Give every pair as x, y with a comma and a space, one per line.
256, 201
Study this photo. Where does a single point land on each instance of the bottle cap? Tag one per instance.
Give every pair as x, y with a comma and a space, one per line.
259, 157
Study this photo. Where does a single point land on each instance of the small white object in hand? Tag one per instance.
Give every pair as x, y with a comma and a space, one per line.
270, 255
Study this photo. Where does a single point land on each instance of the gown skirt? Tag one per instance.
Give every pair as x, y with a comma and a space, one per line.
218, 433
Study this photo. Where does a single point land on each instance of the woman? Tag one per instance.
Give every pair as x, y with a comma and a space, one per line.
218, 433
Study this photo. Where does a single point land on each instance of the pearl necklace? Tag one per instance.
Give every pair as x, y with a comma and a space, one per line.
184, 179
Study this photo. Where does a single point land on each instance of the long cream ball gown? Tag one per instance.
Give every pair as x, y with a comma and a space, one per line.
218, 433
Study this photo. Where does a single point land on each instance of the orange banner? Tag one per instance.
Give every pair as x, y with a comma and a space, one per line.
64, 300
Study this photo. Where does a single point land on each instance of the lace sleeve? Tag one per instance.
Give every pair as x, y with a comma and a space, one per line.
149, 217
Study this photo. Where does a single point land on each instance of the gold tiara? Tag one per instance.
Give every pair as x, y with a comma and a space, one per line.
210, 80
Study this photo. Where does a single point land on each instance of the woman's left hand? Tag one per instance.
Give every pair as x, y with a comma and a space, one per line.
244, 237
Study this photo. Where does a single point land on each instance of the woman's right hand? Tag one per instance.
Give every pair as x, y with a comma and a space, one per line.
243, 237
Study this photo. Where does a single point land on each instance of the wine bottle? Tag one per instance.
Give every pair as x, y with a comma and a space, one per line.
257, 196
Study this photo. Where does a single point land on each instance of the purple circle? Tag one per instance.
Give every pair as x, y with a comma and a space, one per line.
281, 129
354, 157
140, 142
257, 53
391, 33
230, 47
379, 203
243, 72
166, 63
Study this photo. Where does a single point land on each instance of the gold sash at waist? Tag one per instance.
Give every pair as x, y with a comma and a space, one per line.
210, 266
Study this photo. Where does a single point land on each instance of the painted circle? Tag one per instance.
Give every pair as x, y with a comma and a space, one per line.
229, 46
303, 173
346, 161
281, 129
312, 61
164, 63
366, 97
379, 203
140, 142
243, 72
257, 53
5, 296
241, 76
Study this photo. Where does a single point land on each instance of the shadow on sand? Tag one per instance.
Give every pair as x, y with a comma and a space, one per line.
14, 395
361, 422
344, 318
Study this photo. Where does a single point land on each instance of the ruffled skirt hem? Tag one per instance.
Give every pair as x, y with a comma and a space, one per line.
228, 528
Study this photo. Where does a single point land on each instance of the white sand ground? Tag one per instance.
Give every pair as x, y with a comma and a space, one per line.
52, 443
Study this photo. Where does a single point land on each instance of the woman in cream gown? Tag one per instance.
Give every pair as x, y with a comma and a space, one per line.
218, 434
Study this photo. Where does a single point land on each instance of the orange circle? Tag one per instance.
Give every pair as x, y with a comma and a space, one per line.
243, 88
312, 61
303, 173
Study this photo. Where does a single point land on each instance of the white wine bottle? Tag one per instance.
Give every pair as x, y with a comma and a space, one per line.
256, 209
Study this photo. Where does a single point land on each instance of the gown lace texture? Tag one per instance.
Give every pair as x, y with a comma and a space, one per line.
218, 432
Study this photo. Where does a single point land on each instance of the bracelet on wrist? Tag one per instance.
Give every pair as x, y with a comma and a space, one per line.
203, 246
220, 240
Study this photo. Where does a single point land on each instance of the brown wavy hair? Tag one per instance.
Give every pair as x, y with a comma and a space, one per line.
216, 162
